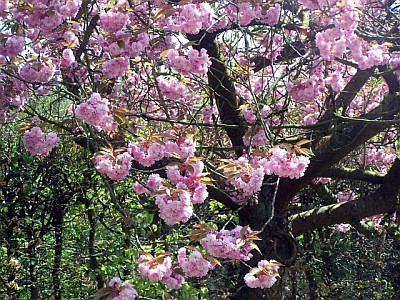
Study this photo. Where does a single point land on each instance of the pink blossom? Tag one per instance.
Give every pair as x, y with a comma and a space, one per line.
228, 244
154, 181
37, 144
175, 208
113, 21
191, 18
256, 137
68, 59
248, 115
285, 164
115, 282
124, 292
174, 281
115, 167
95, 112
150, 269
265, 277
194, 265
183, 147
138, 45
196, 62
115, 67
146, 153
171, 88
37, 72
70, 8
210, 113
14, 45
249, 177
342, 227
140, 189
271, 17
4, 6
191, 179
307, 89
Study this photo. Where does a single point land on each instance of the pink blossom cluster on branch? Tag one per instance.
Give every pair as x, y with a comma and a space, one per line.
37, 143
115, 167
196, 62
264, 276
228, 244
160, 269
118, 291
96, 112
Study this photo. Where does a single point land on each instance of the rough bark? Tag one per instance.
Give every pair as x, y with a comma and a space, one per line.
384, 200
222, 88
345, 139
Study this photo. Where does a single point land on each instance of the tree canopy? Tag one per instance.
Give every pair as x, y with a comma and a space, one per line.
204, 137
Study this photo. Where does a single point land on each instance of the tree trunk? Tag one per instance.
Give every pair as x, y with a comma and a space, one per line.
276, 243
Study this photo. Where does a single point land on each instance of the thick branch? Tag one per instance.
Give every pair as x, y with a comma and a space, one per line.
351, 89
354, 174
384, 200
289, 51
222, 88
346, 138
86, 37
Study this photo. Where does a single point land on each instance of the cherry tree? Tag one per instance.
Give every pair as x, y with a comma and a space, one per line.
262, 106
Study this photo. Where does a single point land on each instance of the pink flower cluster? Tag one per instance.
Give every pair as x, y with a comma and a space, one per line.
68, 59
255, 137
115, 167
307, 89
171, 88
4, 6
150, 269
151, 150
188, 175
210, 113
146, 153
191, 18
175, 206
46, 15
264, 276
160, 269
113, 21
380, 157
247, 177
121, 292
244, 12
285, 164
228, 244
196, 62
333, 42
395, 61
116, 67
195, 265
37, 72
343, 227
13, 46
37, 144
95, 112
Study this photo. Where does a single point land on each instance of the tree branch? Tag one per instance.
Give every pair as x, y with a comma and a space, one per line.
222, 88
346, 138
384, 200
354, 174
